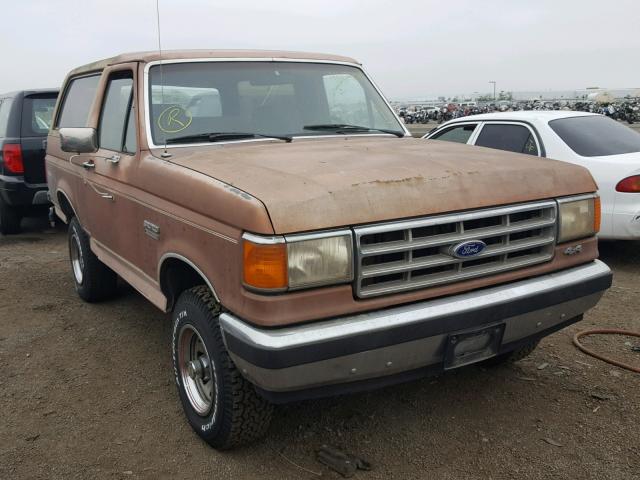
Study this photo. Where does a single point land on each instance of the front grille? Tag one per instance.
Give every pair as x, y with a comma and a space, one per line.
407, 255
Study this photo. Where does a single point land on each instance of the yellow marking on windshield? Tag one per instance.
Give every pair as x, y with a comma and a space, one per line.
174, 119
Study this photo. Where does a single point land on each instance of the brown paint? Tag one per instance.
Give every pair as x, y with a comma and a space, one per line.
204, 198
317, 184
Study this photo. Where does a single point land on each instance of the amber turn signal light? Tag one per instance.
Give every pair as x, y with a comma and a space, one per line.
265, 265
597, 214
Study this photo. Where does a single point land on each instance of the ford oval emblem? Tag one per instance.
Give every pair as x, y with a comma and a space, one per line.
467, 249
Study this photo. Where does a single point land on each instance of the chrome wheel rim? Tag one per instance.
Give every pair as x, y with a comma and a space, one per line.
77, 261
197, 372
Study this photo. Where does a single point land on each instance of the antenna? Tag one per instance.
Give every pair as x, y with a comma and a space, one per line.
164, 154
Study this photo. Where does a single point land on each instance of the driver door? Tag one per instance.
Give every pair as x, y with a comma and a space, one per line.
108, 194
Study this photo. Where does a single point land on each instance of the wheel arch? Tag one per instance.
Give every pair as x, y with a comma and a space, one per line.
65, 205
176, 273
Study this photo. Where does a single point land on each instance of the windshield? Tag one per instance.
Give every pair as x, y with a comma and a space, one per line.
596, 136
264, 98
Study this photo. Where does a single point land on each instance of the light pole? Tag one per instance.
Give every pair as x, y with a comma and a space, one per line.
494, 89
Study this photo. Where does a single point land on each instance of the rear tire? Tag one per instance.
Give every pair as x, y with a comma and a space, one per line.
10, 218
221, 406
94, 281
513, 356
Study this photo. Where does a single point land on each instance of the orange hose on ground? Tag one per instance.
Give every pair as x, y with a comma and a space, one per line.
576, 342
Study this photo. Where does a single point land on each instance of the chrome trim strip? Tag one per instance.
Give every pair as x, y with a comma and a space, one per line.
401, 246
191, 264
298, 237
147, 116
393, 267
408, 260
454, 217
263, 239
352, 325
577, 198
401, 357
316, 235
271, 140
490, 269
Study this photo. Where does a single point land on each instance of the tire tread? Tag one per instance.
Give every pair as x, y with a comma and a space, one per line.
249, 417
99, 282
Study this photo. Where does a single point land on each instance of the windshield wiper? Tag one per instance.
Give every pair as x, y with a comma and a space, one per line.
346, 128
222, 136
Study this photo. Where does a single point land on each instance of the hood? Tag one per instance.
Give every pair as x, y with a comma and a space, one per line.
334, 182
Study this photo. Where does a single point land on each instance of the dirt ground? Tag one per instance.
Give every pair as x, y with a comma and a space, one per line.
86, 391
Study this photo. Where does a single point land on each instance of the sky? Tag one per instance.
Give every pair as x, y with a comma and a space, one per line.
412, 48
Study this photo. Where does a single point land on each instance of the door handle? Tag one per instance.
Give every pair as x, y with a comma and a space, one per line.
88, 165
105, 195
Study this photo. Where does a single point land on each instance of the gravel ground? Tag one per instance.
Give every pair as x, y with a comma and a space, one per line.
86, 391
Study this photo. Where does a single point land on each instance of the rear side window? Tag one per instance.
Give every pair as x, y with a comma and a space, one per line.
117, 129
596, 136
5, 110
459, 134
37, 112
77, 102
512, 138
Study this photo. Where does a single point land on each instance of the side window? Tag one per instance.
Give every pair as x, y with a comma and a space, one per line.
5, 112
346, 99
513, 138
116, 130
37, 112
77, 102
530, 146
459, 134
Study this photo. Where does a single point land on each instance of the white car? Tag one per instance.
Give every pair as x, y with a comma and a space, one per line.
610, 150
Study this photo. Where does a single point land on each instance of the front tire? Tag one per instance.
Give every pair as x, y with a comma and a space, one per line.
221, 406
94, 281
10, 219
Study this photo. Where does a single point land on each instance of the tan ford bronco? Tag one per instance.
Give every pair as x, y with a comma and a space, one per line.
303, 243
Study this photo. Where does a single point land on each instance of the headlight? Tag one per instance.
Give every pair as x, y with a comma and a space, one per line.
297, 261
579, 217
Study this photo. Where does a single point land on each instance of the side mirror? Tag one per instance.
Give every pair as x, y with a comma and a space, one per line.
78, 140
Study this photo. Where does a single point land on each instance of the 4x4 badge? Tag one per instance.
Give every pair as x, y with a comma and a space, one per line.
151, 229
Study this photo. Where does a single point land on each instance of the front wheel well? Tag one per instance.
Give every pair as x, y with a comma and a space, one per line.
65, 206
176, 276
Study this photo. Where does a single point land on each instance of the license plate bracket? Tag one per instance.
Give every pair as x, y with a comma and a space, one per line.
472, 346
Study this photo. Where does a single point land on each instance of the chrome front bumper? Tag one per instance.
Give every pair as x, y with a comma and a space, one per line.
410, 337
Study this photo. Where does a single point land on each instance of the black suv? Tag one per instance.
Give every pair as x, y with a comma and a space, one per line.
25, 117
